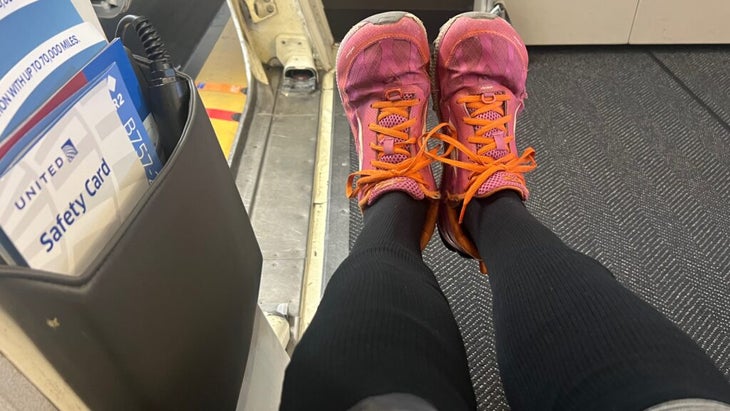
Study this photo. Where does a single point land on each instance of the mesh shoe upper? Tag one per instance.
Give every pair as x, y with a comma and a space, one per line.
480, 75
382, 77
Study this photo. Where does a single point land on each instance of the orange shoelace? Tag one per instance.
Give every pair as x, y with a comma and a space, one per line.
481, 165
410, 167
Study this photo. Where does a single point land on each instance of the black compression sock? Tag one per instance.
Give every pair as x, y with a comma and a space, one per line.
394, 219
569, 336
383, 325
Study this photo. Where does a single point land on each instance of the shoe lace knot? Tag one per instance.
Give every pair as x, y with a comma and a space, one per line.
392, 146
487, 115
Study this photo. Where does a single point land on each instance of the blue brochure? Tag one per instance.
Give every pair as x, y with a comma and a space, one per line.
43, 43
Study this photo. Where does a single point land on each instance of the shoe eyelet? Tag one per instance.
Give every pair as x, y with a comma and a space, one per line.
393, 94
489, 98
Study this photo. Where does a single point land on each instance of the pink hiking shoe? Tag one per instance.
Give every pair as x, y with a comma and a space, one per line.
383, 79
480, 67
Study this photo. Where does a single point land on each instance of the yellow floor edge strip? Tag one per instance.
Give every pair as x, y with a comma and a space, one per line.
312, 280
223, 72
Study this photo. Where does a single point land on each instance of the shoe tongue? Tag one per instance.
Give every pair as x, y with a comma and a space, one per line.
388, 142
495, 133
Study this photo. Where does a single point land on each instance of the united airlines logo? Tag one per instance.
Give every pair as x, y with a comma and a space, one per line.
69, 149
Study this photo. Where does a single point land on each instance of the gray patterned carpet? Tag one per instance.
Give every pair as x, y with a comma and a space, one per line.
633, 147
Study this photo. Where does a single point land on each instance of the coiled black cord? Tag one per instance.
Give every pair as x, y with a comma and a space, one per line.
151, 42
167, 94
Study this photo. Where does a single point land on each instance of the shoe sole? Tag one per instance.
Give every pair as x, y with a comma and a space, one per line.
435, 91
449, 243
380, 19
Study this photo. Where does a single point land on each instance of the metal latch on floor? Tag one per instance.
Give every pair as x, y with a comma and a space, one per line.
295, 54
261, 9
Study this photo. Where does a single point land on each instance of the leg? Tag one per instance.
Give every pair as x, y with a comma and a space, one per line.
569, 336
383, 325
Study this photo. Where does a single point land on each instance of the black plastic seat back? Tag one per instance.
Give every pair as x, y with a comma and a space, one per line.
164, 316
